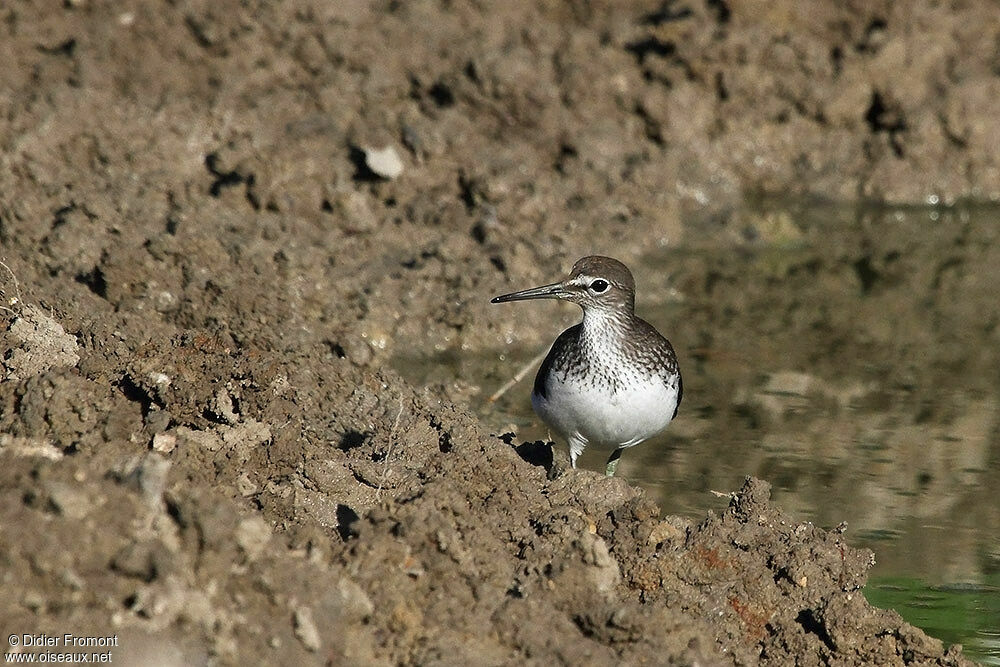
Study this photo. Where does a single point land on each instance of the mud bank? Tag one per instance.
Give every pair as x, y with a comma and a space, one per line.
339, 516
240, 505
203, 449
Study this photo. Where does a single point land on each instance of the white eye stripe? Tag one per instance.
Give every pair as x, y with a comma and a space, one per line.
593, 284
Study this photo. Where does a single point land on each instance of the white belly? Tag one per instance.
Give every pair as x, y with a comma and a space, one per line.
583, 413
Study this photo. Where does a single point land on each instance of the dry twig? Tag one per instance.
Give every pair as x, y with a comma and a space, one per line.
518, 376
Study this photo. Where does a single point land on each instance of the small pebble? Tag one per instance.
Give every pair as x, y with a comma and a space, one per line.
384, 162
253, 534
222, 407
305, 628
164, 443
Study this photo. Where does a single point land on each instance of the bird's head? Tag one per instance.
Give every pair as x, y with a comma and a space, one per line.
595, 283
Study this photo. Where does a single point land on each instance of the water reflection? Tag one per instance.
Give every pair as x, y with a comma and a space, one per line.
851, 357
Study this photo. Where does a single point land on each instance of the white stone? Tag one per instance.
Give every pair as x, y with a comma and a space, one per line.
384, 162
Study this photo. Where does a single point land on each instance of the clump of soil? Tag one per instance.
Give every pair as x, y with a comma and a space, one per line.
360, 521
232, 503
224, 219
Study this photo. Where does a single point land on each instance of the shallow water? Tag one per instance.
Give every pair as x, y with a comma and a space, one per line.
849, 356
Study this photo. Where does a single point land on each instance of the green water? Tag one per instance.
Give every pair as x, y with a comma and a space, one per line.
955, 614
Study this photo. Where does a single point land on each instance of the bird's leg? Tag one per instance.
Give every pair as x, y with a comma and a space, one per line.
576, 447
613, 462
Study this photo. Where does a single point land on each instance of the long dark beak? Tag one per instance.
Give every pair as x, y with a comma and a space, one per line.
553, 291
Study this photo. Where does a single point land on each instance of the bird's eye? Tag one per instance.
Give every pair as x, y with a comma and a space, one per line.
599, 285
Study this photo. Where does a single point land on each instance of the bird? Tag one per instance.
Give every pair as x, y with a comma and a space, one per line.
612, 379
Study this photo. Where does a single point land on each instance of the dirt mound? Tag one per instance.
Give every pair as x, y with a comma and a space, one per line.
388, 527
325, 510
